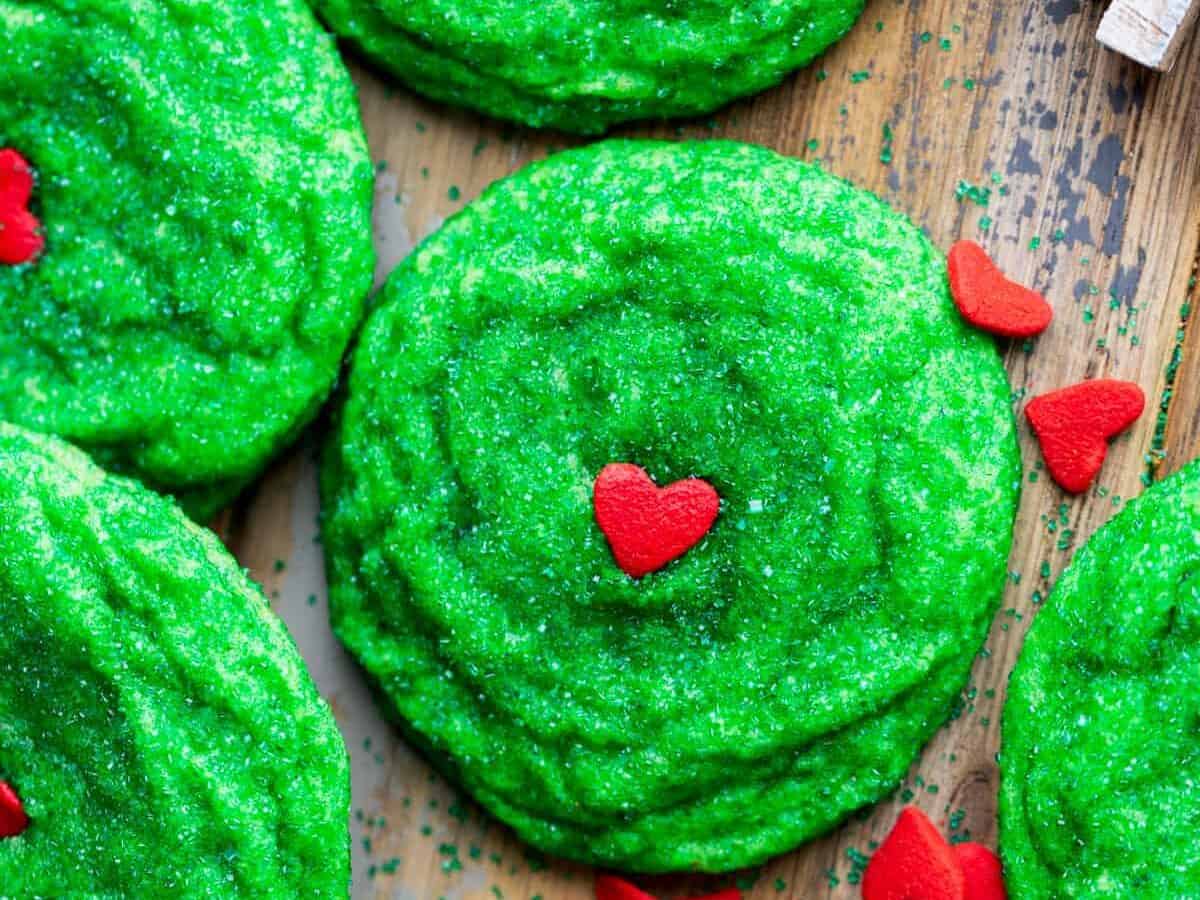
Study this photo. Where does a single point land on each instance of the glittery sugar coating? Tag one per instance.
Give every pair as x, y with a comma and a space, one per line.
707, 309
583, 65
157, 721
205, 191
1100, 755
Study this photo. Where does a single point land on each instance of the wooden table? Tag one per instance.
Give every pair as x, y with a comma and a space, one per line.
1003, 122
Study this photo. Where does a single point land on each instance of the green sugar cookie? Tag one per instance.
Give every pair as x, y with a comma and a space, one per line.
584, 65
1100, 754
156, 722
704, 310
204, 191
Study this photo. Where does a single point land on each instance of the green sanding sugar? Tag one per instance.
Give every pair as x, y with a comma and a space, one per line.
710, 309
155, 718
1100, 754
206, 192
980, 195
584, 65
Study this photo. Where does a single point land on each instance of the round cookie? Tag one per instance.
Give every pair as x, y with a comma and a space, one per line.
1100, 756
204, 192
158, 726
592, 63
704, 309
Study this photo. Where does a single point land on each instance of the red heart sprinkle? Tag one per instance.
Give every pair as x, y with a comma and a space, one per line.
20, 232
982, 871
13, 820
648, 526
610, 887
988, 300
1074, 424
16, 178
914, 863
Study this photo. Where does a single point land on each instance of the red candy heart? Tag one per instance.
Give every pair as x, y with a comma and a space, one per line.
1074, 424
982, 871
16, 178
914, 863
20, 232
13, 820
988, 300
648, 526
609, 887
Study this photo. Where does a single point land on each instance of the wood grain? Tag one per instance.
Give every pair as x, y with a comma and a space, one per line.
1148, 31
1000, 121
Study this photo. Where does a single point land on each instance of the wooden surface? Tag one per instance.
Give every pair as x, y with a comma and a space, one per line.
1088, 165
1151, 32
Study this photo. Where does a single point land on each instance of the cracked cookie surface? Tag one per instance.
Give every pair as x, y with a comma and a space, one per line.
584, 65
205, 192
156, 720
707, 310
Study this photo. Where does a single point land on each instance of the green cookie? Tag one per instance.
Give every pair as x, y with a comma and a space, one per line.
205, 192
584, 65
703, 309
156, 720
1100, 758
